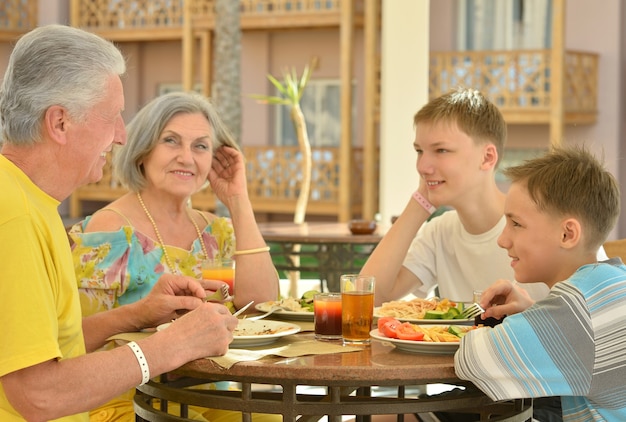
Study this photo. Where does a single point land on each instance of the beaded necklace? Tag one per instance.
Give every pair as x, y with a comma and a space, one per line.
168, 261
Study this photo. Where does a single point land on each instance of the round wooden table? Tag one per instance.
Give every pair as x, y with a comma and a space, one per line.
347, 379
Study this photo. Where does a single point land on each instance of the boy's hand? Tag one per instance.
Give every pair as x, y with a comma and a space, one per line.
504, 298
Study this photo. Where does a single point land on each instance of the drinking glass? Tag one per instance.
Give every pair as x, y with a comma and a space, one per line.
220, 269
357, 308
327, 316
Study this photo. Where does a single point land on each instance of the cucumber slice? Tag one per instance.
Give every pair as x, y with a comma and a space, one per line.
457, 331
434, 314
452, 313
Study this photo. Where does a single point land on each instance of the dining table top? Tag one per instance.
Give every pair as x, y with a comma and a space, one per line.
379, 363
317, 232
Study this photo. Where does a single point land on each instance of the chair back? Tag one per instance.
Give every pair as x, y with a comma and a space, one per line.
615, 248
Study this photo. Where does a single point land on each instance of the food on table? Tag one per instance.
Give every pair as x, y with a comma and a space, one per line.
418, 308
260, 328
303, 304
392, 328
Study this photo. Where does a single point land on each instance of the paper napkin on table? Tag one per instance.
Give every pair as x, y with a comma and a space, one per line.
288, 347
285, 347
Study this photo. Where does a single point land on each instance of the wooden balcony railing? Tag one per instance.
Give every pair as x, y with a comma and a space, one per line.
137, 20
274, 179
16, 18
518, 81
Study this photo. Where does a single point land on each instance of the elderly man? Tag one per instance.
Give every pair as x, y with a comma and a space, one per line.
60, 111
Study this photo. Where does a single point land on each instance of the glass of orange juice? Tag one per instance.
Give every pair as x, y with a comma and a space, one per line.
220, 269
357, 308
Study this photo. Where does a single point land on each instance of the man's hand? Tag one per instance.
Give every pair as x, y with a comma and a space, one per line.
504, 298
205, 331
173, 296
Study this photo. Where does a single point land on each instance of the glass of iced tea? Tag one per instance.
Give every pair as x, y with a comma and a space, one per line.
327, 316
220, 269
357, 308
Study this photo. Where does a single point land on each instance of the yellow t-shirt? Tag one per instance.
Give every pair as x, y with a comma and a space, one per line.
41, 317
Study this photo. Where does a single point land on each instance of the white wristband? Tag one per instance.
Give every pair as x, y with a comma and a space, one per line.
143, 363
430, 208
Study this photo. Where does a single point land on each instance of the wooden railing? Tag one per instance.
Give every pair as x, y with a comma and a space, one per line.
136, 20
16, 18
518, 81
274, 179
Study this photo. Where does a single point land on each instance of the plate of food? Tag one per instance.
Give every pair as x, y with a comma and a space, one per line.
256, 333
437, 339
291, 308
261, 332
424, 311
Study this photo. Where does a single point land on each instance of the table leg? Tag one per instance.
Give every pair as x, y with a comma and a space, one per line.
401, 393
364, 391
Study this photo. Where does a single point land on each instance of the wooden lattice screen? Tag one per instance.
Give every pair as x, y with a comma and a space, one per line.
273, 175
17, 17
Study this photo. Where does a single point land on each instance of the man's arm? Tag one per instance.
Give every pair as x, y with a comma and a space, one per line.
62, 387
57, 388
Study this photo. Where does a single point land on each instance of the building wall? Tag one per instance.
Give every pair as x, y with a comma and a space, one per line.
152, 64
588, 27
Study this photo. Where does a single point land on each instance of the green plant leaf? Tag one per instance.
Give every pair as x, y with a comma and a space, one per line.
277, 84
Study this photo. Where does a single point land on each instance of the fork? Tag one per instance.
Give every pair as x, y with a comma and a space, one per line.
271, 311
472, 311
243, 308
220, 295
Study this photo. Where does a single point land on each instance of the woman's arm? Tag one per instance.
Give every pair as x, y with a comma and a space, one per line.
255, 275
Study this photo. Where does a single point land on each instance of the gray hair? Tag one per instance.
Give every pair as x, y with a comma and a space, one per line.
54, 65
145, 128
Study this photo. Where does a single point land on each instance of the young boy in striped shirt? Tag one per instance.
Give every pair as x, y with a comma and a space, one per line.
559, 210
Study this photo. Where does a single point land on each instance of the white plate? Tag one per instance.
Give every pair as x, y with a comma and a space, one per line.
262, 332
414, 346
256, 333
284, 314
428, 321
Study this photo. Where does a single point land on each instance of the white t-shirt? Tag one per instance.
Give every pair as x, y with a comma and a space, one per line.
445, 254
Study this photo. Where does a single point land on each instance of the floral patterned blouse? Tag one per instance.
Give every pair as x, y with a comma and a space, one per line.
117, 268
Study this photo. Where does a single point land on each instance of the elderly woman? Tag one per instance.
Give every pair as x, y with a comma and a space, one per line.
176, 143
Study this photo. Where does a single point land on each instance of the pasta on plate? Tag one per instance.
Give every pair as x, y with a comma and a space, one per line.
415, 308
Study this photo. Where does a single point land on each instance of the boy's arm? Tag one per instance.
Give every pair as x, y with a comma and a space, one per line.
549, 350
385, 263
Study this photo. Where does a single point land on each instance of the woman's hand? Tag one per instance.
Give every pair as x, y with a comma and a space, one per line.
228, 174
504, 298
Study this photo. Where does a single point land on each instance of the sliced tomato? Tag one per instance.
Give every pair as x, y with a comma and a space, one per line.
388, 328
407, 331
383, 320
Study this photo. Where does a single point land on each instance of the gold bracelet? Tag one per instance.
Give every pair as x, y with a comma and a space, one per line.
251, 251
